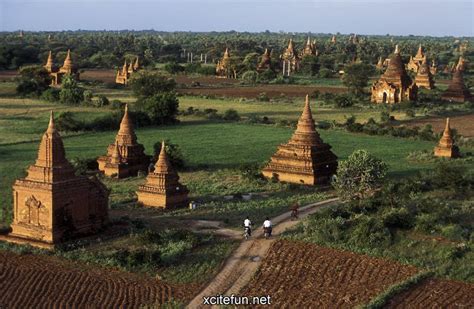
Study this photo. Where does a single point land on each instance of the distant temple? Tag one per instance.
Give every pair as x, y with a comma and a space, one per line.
52, 204
394, 85
415, 62
305, 159
433, 67
290, 60
223, 67
333, 39
379, 64
309, 49
265, 63
457, 90
123, 75
423, 78
67, 68
461, 65
446, 147
162, 187
125, 157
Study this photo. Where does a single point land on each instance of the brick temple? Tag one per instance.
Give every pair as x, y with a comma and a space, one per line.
52, 204
57, 74
423, 78
457, 90
162, 188
305, 159
125, 157
123, 76
446, 147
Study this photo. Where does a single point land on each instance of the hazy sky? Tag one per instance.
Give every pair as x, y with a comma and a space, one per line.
418, 17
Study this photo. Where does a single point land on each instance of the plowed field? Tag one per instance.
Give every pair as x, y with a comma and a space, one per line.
301, 275
31, 281
436, 293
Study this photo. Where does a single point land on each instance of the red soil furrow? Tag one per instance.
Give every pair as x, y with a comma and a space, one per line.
48, 282
313, 276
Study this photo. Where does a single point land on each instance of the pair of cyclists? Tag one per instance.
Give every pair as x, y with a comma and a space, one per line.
267, 227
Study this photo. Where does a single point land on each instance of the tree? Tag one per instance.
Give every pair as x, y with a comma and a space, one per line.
145, 84
70, 92
359, 175
250, 77
356, 77
309, 65
33, 80
161, 108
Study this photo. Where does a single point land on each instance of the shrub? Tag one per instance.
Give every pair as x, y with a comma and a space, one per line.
397, 218
51, 95
160, 108
370, 232
66, 122
359, 175
88, 96
231, 115
249, 77
173, 68
70, 92
146, 84
33, 81
101, 101
266, 76
116, 104
262, 97
325, 73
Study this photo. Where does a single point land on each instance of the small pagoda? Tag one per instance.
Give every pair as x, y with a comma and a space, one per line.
305, 159
290, 60
57, 74
123, 76
223, 67
446, 147
415, 62
52, 204
457, 90
379, 66
265, 63
461, 65
394, 85
162, 188
423, 78
125, 157
309, 49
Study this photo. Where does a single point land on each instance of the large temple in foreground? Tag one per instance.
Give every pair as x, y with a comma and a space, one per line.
305, 159
457, 90
162, 188
57, 74
394, 85
446, 147
52, 204
125, 157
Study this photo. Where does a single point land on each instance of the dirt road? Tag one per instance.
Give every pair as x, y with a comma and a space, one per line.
246, 259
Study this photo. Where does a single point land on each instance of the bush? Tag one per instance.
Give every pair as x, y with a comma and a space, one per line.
343, 101
262, 97
398, 218
70, 92
175, 156
249, 77
50, 95
102, 101
160, 108
146, 84
359, 175
266, 76
173, 68
325, 73
66, 122
370, 232
231, 115
116, 104
33, 81
88, 96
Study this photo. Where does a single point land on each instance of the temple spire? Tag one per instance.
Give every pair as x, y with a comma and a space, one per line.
51, 127
126, 134
419, 53
447, 129
162, 164
397, 49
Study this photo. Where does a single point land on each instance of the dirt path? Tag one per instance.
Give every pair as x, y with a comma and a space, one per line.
246, 259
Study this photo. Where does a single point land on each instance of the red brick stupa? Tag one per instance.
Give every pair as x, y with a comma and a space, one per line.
305, 159
162, 188
52, 204
446, 147
125, 157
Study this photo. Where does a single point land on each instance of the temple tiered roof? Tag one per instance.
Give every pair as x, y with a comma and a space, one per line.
457, 90
162, 187
446, 147
423, 77
305, 159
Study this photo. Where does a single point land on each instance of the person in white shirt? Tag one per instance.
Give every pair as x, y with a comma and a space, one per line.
248, 224
267, 225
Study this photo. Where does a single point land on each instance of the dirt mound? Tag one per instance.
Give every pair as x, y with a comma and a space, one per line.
302, 275
31, 281
435, 293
